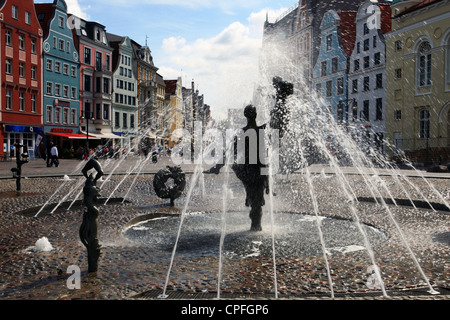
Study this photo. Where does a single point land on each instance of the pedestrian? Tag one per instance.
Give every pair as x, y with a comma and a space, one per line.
49, 153
54, 155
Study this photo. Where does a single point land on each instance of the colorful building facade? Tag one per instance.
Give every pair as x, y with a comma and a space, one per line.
61, 104
124, 107
418, 80
367, 75
20, 76
329, 76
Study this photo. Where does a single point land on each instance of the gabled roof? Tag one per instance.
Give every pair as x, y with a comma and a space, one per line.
348, 30
171, 86
44, 12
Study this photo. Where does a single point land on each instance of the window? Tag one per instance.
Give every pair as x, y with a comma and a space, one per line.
132, 121
8, 37
365, 29
15, 12
366, 44
374, 44
9, 99
379, 81
365, 112
398, 114
424, 124
366, 84
106, 85
8, 66
73, 116
98, 81
61, 22
73, 71
33, 45
117, 119
57, 89
27, 17
33, 73
21, 69
379, 109
329, 42
49, 88
108, 62
356, 65
66, 69
49, 65
66, 91
74, 93
66, 116
340, 86
366, 62
355, 110
98, 111
334, 65
355, 86
57, 67
33, 103
358, 47
98, 60
377, 58
87, 83
55, 42
87, 55
61, 44
398, 45
21, 42
49, 113
329, 88
106, 112
57, 115
323, 68
319, 89
424, 71
22, 101
125, 120
68, 46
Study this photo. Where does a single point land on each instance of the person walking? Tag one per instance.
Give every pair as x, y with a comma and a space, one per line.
54, 154
49, 153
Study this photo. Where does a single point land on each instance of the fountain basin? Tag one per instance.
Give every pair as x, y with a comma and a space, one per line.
295, 234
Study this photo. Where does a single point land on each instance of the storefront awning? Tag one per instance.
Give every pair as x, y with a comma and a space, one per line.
70, 135
106, 135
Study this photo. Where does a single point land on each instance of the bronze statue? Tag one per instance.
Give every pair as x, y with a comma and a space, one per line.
89, 226
21, 159
249, 173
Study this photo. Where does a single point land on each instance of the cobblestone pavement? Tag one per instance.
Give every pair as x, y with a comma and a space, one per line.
131, 270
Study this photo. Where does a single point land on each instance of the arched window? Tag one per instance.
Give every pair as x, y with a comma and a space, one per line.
424, 64
424, 124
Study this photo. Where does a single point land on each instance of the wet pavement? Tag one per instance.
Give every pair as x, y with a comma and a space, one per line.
130, 270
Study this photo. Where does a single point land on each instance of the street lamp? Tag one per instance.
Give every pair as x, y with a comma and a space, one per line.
87, 130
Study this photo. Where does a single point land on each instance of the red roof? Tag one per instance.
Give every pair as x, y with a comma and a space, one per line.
171, 86
348, 30
386, 22
44, 11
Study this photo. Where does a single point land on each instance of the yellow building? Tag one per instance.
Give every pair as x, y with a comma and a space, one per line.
418, 80
174, 105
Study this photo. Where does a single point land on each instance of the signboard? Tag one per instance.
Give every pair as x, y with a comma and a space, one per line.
62, 130
24, 129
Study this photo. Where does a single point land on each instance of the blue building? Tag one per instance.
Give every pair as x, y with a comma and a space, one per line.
329, 75
61, 106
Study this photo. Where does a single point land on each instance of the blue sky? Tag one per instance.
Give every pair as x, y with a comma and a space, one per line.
214, 42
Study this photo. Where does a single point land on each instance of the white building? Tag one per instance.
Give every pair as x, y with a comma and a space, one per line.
366, 101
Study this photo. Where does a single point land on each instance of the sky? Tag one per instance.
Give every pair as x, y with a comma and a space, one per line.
215, 43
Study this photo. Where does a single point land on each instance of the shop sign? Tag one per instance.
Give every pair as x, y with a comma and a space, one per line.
62, 130
23, 129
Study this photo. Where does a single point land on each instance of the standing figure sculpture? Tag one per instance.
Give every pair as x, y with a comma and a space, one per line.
21, 159
89, 226
248, 171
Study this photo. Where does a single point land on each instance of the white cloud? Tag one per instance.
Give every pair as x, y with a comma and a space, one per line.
74, 7
225, 67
